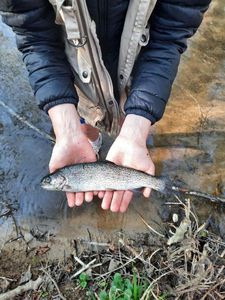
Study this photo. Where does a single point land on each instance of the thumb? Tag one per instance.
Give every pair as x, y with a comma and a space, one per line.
114, 156
51, 166
54, 164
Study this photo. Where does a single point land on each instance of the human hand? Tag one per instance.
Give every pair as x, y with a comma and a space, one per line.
129, 149
71, 147
67, 152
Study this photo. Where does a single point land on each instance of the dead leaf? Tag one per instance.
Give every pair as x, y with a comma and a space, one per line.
42, 250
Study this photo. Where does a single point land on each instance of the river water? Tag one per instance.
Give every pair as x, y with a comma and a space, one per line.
187, 144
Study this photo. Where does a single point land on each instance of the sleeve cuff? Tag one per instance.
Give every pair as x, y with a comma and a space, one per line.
142, 113
145, 104
51, 104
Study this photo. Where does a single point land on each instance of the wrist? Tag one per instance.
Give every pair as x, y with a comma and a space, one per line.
136, 128
65, 122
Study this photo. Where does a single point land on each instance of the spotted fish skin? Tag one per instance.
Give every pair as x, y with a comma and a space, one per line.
101, 176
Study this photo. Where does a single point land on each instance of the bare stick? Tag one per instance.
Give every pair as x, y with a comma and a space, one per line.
148, 290
210, 197
85, 267
79, 261
96, 244
124, 265
133, 251
31, 285
152, 229
213, 288
55, 284
26, 122
6, 214
8, 279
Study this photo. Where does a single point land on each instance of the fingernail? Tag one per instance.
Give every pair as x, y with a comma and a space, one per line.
114, 209
88, 199
104, 207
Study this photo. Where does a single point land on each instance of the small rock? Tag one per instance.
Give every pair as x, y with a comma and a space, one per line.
28, 237
175, 218
113, 265
25, 277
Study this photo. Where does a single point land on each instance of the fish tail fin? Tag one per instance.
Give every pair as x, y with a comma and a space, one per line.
164, 185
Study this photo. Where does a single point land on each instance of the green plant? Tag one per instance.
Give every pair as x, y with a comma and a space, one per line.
123, 288
44, 295
117, 287
83, 280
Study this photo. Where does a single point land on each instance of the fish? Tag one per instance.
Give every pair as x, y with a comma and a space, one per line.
102, 176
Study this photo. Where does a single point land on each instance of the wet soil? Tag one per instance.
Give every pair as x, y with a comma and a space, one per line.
187, 144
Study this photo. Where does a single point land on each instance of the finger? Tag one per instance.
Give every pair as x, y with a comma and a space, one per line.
70, 199
51, 167
88, 196
127, 197
116, 201
151, 169
146, 192
79, 199
107, 200
101, 194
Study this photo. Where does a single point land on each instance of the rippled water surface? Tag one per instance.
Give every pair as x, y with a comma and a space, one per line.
188, 144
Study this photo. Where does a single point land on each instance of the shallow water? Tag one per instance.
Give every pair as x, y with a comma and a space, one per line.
188, 144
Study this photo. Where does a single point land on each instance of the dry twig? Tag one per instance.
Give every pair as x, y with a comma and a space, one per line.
55, 284
31, 285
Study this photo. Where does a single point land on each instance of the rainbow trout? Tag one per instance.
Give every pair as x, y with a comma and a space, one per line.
101, 176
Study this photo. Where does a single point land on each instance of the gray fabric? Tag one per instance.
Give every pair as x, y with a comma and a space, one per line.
135, 35
96, 86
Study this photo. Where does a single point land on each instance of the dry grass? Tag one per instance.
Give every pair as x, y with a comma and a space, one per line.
187, 263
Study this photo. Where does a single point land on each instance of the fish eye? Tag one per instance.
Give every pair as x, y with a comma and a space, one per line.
47, 180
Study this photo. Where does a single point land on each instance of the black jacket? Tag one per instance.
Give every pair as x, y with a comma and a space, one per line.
39, 39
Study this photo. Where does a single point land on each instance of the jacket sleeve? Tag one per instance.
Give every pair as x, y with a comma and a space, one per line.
39, 40
171, 24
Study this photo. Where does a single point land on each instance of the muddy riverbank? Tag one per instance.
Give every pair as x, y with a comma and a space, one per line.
188, 144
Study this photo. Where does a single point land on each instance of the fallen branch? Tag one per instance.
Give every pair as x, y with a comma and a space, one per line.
210, 197
31, 285
26, 122
6, 213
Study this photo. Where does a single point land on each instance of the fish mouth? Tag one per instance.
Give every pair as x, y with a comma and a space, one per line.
53, 184
49, 188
